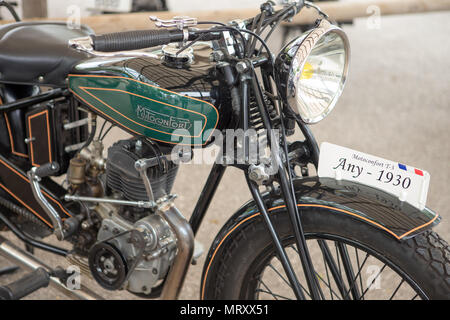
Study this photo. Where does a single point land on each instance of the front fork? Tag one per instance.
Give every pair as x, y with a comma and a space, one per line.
284, 178
295, 218
247, 81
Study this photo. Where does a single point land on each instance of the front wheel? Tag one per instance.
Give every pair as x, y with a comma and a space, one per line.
352, 260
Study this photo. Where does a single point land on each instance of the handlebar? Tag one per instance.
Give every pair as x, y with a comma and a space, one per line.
140, 39
134, 40
292, 10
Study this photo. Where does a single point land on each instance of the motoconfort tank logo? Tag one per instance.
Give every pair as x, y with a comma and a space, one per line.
146, 109
162, 120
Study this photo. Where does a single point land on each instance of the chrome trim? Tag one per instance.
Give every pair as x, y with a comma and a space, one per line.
141, 166
185, 35
309, 4
185, 250
74, 147
306, 44
172, 50
85, 44
28, 140
179, 22
48, 208
139, 204
76, 124
82, 44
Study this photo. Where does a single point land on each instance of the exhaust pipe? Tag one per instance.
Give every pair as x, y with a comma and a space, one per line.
31, 263
185, 246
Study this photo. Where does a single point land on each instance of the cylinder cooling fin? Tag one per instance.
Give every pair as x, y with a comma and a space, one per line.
122, 176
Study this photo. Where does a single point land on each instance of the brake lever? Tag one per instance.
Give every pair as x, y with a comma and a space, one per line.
179, 22
309, 4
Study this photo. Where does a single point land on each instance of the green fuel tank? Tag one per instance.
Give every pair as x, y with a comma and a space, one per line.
146, 96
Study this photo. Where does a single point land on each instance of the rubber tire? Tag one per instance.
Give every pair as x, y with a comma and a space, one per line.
425, 258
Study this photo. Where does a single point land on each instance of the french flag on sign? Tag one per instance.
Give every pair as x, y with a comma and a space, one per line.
410, 169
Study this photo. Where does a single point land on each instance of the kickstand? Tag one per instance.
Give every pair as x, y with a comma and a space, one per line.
8, 270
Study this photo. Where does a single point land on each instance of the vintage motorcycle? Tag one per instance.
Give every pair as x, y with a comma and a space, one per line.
300, 237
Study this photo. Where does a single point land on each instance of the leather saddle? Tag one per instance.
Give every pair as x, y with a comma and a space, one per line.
38, 52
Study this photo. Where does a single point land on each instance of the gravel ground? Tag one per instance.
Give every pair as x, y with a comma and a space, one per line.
395, 105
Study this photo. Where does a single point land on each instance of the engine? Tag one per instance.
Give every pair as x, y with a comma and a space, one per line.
123, 177
134, 247
132, 256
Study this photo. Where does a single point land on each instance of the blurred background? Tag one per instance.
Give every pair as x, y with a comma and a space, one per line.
396, 103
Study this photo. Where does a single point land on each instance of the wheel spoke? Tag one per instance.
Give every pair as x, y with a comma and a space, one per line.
359, 268
280, 275
267, 288
285, 280
336, 264
373, 281
328, 276
396, 289
320, 278
348, 270
335, 270
337, 255
273, 294
358, 275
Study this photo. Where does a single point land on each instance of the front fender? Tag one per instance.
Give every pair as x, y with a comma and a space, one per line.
372, 206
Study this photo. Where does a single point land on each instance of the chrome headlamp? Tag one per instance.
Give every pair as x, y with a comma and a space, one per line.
311, 71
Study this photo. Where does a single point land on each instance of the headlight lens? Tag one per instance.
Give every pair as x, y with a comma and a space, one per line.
312, 71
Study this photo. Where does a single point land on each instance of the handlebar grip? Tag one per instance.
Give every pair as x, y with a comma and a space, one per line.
47, 169
33, 281
134, 40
